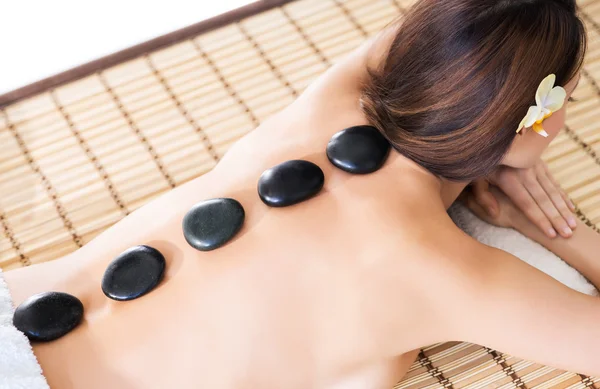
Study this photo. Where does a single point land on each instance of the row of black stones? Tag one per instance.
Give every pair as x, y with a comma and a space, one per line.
208, 225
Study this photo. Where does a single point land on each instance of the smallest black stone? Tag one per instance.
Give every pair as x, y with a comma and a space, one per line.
133, 273
48, 316
358, 150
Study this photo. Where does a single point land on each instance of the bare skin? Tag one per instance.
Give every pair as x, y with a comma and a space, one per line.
332, 293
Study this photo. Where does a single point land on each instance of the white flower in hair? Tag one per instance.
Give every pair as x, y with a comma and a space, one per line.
548, 99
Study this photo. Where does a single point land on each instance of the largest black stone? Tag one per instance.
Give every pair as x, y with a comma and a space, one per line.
133, 273
212, 223
48, 316
290, 182
358, 150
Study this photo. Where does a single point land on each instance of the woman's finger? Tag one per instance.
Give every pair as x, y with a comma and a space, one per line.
546, 205
515, 190
482, 195
556, 196
557, 185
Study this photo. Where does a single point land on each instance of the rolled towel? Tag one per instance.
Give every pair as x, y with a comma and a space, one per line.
19, 369
522, 247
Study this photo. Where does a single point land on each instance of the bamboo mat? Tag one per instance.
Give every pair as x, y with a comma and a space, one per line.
76, 159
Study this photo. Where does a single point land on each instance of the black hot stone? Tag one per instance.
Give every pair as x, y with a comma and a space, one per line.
358, 150
212, 223
133, 273
48, 316
290, 182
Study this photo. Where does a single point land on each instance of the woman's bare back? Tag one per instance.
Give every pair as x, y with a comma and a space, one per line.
328, 293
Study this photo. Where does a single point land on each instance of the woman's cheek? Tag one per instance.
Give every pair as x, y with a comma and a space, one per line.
529, 149
537, 144
555, 123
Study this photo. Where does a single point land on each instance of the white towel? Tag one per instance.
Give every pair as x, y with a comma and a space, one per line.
19, 368
518, 245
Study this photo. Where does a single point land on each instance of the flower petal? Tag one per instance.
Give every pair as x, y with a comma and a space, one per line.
544, 114
521, 125
540, 130
544, 90
556, 99
532, 115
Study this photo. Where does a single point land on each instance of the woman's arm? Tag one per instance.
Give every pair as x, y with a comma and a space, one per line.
524, 312
582, 250
489, 297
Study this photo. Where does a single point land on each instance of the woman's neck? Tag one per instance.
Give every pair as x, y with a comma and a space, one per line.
448, 191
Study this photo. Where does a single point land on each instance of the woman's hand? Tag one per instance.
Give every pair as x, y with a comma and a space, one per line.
535, 192
506, 214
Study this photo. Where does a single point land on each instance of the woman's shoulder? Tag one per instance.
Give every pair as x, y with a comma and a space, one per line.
445, 256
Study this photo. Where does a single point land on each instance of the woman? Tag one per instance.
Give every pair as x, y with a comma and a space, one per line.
337, 291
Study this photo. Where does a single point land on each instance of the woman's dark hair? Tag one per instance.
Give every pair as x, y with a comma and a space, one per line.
460, 76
